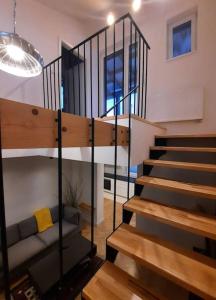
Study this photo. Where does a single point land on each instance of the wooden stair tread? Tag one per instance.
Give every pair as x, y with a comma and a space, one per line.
184, 149
181, 165
112, 283
186, 188
183, 219
176, 136
191, 270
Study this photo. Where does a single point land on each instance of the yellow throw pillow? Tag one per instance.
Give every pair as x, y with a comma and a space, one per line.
44, 219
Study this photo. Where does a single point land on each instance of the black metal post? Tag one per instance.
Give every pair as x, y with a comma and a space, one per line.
47, 88
55, 84
44, 94
79, 80
50, 69
143, 74
129, 149
59, 85
130, 66
98, 76
105, 94
74, 94
116, 133
91, 77
135, 79
60, 202
146, 82
123, 69
85, 104
139, 91
4, 249
92, 180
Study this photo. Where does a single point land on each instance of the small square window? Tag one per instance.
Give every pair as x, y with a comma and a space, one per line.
181, 35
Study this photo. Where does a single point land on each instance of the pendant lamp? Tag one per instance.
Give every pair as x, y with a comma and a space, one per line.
17, 56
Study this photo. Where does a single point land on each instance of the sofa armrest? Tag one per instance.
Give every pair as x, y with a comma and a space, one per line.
72, 215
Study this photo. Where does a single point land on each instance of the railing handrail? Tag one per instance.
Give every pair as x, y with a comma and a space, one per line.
117, 103
128, 15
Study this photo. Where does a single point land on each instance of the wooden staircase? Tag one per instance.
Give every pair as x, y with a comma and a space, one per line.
192, 271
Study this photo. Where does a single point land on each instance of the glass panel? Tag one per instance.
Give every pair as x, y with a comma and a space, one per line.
182, 39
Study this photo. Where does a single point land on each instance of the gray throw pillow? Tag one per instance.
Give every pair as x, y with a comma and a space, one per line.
12, 235
28, 227
54, 213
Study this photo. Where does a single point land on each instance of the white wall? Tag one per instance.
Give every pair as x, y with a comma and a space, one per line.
44, 28
31, 183
195, 70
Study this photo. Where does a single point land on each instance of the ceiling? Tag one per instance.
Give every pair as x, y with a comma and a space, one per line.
82, 9
90, 9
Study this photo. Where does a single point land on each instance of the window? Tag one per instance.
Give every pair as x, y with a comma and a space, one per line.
118, 80
112, 82
182, 35
133, 74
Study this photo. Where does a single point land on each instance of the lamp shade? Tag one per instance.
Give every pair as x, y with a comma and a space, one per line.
19, 57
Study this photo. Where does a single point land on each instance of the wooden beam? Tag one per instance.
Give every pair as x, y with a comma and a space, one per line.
25, 126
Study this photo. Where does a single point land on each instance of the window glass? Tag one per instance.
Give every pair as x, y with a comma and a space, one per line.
133, 75
182, 39
114, 85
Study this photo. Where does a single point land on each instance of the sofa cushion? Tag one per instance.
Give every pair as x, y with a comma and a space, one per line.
54, 213
13, 235
27, 227
23, 250
51, 235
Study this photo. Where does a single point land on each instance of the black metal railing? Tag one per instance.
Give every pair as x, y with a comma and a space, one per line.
100, 70
128, 96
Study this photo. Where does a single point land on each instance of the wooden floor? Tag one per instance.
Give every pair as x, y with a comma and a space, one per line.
103, 230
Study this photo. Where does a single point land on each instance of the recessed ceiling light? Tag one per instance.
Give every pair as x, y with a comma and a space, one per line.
110, 19
136, 4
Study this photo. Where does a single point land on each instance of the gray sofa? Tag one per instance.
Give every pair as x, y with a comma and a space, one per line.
26, 245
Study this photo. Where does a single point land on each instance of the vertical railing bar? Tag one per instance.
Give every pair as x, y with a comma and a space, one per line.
91, 77
129, 151
79, 80
143, 74
4, 248
51, 98
55, 84
60, 202
98, 65
130, 67
139, 75
44, 94
84, 54
105, 85
47, 88
146, 82
92, 179
74, 95
68, 81
59, 86
135, 96
123, 69
116, 120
